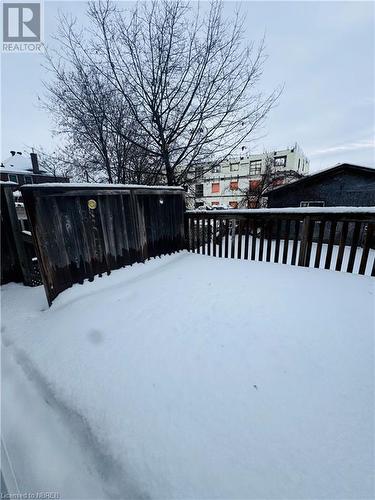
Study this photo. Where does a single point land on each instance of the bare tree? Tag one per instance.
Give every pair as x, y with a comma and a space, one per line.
159, 90
254, 196
188, 78
94, 120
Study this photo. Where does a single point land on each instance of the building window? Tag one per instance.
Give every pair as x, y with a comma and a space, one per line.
254, 185
12, 177
234, 167
233, 204
215, 187
28, 179
280, 161
233, 186
4, 177
216, 169
199, 190
214, 203
255, 167
198, 172
312, 204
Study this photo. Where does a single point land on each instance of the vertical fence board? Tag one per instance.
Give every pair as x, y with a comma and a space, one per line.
366, 248
261, 240
286, 242
319, 246
199, 235
309, 243
209, 238
203, 221
331, 241
305, 247
277, 242
354, 246
269, 227
214, 229
221, 237
254, 239
340, 253
226, 242
239, 245
232, 238
295, 242
247, 234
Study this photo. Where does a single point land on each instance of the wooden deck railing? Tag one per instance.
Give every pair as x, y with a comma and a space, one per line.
341, 239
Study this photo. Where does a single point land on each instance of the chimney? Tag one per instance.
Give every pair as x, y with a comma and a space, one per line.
12, 153
34, 162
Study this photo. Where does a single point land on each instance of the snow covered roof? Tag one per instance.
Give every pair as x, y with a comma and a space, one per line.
18, 163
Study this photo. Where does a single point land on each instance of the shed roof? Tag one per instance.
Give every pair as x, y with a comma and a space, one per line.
327, 172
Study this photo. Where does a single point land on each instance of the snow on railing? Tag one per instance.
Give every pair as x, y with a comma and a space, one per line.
337, 238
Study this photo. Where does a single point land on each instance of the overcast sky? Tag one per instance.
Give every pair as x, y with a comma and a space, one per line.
323, 52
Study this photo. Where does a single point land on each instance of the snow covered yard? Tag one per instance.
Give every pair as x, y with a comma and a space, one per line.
193, 377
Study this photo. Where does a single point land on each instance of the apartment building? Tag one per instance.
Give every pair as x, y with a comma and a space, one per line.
224, 185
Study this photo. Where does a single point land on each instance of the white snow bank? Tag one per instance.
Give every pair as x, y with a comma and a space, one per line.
198, 377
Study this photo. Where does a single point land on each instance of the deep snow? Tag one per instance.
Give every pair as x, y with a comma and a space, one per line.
197, 377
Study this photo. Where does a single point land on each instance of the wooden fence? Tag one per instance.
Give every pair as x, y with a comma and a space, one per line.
18, 258
83, 230
331, 239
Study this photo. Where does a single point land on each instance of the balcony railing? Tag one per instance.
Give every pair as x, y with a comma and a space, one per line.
339, 238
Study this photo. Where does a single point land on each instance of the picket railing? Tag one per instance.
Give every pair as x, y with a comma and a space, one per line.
340, 238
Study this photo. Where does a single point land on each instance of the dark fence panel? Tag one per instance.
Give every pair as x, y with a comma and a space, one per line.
10, 262
336, 239
81, 231
18, 257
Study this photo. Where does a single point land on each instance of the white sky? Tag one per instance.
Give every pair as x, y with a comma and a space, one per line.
323, 52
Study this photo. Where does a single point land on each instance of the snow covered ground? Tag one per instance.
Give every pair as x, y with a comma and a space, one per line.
193, 377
